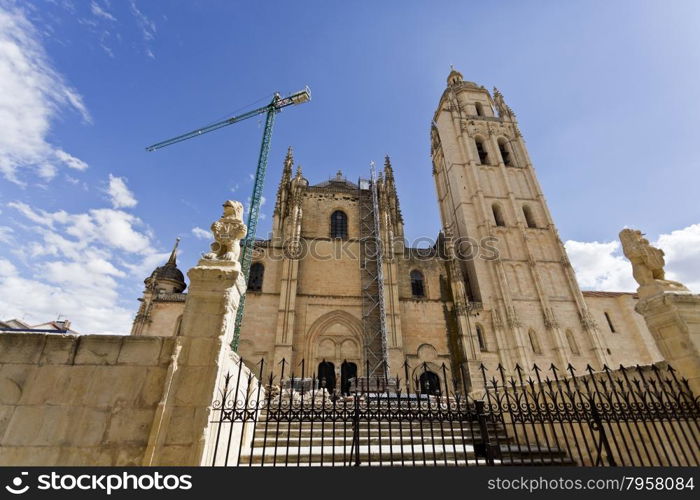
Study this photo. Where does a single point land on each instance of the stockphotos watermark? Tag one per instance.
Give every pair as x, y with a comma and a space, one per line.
325, 249
102, 483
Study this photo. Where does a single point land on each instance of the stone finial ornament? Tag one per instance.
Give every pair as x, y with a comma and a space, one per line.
228, 231
647, 262
501, 106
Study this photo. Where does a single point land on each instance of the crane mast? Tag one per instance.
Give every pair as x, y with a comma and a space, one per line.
248, 244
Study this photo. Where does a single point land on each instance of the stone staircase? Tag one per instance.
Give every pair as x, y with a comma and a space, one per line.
327, 443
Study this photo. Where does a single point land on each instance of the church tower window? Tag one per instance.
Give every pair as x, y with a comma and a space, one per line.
534, 343
505, 154
480, 338
572, 343
610, 323
339, 225
480, 149
498, 215
529, 218
417, 284
479, 109
255, 280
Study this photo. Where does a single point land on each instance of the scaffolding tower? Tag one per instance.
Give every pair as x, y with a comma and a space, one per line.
372, 275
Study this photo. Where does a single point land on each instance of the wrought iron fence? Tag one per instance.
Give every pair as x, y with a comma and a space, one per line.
630, 416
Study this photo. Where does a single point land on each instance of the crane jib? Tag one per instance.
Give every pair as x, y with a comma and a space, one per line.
249, 243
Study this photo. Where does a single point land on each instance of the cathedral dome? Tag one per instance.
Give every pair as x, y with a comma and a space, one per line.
168, 272
168, 276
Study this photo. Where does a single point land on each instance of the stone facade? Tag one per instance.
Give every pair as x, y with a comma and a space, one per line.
516, 301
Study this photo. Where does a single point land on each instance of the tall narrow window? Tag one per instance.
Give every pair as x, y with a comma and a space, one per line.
479, 109
498, 214
529, 218
255, 278
505, 154
572, 343
610, 323
417, 285
480, 338
339, 225
178, 326
534, 343
483, 155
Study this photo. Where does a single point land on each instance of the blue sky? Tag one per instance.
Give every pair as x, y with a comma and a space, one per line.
607, 95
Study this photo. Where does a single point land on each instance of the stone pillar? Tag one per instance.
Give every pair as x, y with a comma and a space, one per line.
203, 354
673, 319
670, 310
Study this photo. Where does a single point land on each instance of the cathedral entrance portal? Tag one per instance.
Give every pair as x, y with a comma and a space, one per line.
347, 371
429, 383
326, 375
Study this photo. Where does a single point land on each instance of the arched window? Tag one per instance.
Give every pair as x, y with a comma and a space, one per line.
534, 343
529, 218
417, 286
480, 338
255, 279
339, 225
479, 109
505, 154
481, 151
498, 214
572, 343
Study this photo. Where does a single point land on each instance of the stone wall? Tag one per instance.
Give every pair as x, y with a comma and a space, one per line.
88, 400
117, 400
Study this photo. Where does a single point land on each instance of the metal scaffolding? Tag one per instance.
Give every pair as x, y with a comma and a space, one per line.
371, 267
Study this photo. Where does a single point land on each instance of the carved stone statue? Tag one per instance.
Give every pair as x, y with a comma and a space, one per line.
647, 262
228, 231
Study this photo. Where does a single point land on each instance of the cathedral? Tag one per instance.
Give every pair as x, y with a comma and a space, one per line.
337, 287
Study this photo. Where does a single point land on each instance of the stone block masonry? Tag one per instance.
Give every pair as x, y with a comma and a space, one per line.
79, 400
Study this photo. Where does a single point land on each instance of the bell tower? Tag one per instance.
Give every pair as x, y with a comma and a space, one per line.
515, 295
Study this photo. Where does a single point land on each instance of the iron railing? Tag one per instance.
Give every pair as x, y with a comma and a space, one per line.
641, 416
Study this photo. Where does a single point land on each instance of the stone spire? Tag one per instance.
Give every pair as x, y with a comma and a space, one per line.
286, 177
173, 255
504, 110
391, 190
288, 162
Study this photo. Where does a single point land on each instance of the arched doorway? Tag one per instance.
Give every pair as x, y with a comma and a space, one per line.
429, 383
347, 371
326, 375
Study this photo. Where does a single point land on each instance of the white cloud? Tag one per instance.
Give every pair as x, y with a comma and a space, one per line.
682, 249
601, 266
70, 160
100, 12
81, 265
119, 193
6, 234
201, 234
147, 27
89, 311
7, 268
32, 95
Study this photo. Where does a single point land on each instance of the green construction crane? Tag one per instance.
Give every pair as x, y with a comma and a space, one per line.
248, 243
